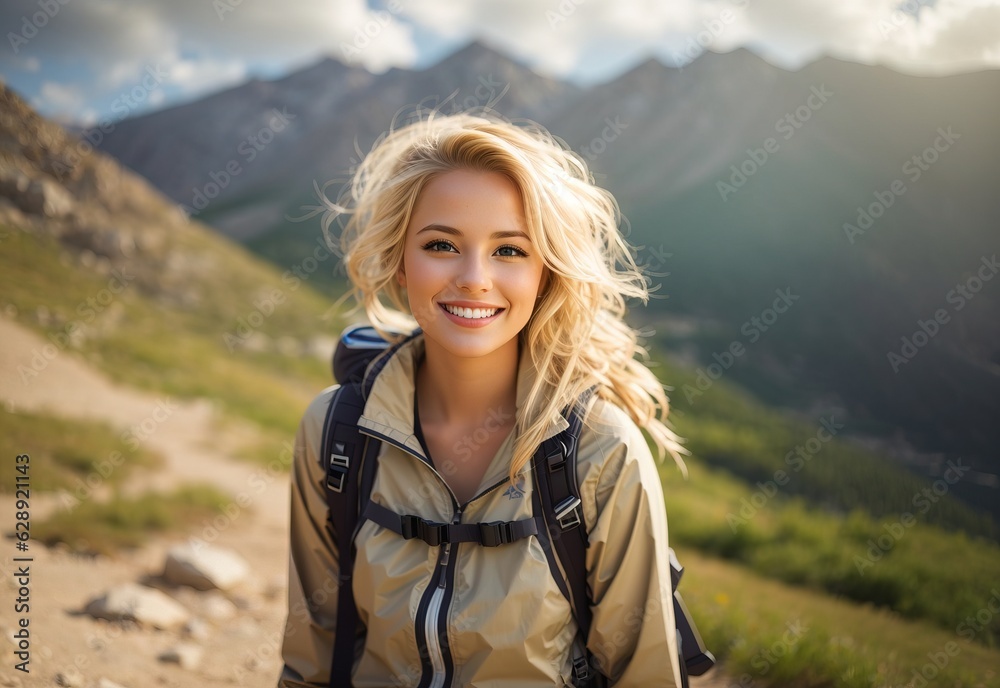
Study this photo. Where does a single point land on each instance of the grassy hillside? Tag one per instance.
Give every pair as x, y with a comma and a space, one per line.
63, 451
917, 571
811, 453
210, 348
768, 634
793, 498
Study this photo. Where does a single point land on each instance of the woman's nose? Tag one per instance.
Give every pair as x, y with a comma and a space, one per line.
475, 275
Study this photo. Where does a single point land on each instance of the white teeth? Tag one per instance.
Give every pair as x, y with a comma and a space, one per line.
472, 313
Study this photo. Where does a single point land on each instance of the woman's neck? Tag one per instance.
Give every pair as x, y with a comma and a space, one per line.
465, 392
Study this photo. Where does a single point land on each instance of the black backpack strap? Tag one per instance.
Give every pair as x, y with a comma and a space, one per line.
696, 658
380, 362
559, 494
346, 453
554, 468
343, 453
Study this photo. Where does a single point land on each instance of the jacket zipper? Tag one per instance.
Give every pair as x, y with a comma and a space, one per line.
432, 616
435, 621
431, 620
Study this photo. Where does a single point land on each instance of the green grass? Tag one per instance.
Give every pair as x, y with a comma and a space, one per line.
120, 523
68, 454
768, 634
924, 573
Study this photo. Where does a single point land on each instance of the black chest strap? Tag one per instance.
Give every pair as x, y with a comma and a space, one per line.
492, 534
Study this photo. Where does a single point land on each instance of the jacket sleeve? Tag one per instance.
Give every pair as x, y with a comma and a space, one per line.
633, 635
307, 647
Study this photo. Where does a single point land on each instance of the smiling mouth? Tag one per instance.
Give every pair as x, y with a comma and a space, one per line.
471, 313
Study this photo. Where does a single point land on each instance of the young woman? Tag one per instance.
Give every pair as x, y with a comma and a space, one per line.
491, 238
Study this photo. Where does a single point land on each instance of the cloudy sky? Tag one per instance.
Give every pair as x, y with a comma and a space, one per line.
84, 60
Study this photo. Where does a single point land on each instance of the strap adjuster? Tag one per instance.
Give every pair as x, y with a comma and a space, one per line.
581, 671
556, 459
567, 512
496, 533
408, 526
336, 472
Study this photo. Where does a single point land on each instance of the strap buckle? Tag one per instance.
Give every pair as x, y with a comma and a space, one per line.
568, 513
581, 671
415, 527
336, 472
496, 533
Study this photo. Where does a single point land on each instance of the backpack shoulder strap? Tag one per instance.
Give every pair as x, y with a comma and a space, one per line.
559, 494
350, 460
345, 449
696, 659
557, 497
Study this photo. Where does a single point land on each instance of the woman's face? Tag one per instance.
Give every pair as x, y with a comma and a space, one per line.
467, 248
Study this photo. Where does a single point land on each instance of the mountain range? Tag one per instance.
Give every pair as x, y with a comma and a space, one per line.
838, 224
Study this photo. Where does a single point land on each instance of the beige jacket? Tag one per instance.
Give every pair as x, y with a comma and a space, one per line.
507, 622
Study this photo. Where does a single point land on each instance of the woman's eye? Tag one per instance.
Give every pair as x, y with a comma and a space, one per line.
513, 251
436, 246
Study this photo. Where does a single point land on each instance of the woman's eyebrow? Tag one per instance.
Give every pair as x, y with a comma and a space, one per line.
495, 235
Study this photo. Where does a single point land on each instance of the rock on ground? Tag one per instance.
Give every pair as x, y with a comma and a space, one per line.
205, 567
139, 603
188, 655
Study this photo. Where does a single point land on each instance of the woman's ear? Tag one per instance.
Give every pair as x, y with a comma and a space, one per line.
401, 277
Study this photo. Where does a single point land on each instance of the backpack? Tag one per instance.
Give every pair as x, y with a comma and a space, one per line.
350, 461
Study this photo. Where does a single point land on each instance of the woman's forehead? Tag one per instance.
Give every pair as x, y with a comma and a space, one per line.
468, 201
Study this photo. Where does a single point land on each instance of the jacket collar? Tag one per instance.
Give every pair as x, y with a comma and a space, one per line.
389, 408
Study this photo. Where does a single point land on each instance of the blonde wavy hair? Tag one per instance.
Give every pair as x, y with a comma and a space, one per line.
577, 336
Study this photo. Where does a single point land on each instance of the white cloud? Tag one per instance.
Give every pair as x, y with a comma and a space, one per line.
562, 37
62, 101
200, 75
298, 31
89, 117
202, 48
106, 46
954, 35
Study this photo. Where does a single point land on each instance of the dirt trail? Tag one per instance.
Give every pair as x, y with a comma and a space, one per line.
195, 444
197, 448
